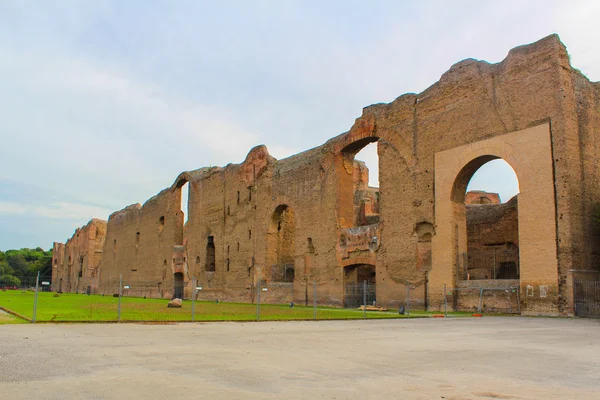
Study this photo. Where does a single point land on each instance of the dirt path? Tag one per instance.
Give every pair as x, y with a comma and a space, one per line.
488, 358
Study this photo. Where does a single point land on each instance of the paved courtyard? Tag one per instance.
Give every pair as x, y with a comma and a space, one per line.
487, 358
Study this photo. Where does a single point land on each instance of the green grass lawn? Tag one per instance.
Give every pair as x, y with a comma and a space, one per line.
79, 307
96, 308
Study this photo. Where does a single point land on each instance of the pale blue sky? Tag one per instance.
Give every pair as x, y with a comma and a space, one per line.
105, 102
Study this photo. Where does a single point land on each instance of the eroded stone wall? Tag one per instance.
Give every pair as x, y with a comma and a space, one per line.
411, 243
76, 264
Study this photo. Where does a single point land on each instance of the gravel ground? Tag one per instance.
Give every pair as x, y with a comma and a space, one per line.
487, 358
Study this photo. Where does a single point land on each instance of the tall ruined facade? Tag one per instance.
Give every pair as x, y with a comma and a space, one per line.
310, 217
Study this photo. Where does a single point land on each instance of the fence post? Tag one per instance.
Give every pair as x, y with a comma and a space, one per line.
445, 303
365, 299
315, 299
494, 263
37, 282
407, 300
193, 299
519, 299
258, 300
480, 299
120, 295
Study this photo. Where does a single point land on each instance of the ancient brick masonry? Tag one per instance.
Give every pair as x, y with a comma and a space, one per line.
76, 264
311, 216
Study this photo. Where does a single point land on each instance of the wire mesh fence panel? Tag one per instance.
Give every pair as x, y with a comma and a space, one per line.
202, 299
17, 294
358, 294
9, 282
587, 298
503, 300
147, 301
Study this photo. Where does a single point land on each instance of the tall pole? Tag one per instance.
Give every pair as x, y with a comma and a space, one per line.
365, 299
445, 303
315, 299
37, 282
480, 299
194, 292
120, 295
407, 300
258, 300
306, 290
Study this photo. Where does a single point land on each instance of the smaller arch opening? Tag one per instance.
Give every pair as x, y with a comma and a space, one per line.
357, 278
178, 285
310, 247
357, 169
184, 187
486, 228
280, 244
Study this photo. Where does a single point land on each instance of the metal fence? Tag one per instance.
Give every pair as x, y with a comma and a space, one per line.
8, 282
359, 293
150, 301
587, 298
503, 300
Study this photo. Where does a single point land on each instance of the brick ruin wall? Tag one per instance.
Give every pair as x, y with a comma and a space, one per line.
76, 264
481, 197
235, 205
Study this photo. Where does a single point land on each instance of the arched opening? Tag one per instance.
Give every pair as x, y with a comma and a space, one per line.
280, 244
486, 239
357, 279
178, 286
358, 174
180, 198
185, 199
424, 232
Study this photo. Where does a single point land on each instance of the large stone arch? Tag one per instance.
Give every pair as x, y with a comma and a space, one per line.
529, 152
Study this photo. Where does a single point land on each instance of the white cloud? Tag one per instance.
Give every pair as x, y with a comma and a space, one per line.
75, 211
11, 208
60, 210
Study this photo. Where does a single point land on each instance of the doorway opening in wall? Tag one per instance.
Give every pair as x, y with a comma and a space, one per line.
177, 286
359, 280
210, 255
365, 178
486, 221
281, 244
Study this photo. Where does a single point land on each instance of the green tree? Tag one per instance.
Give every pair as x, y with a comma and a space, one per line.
26, 262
